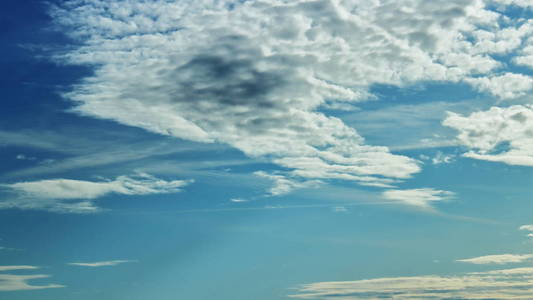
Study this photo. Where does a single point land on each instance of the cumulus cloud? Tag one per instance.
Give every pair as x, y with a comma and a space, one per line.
505, 86
526, 227
283, 185
498, 134
499, 259
441, 158
519, 3
9, 282
100, 263
500, 284
67, 195
422, 197
254, 74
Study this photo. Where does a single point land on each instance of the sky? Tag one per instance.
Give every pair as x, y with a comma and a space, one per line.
266, 149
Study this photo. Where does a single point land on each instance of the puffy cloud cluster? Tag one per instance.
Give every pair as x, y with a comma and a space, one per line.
500, 284
499, 134
254, 74
528, 228
67, 195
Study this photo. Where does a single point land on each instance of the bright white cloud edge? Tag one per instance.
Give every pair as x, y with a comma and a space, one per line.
498, 259
101, 263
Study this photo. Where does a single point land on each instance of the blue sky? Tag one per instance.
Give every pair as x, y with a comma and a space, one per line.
271, 149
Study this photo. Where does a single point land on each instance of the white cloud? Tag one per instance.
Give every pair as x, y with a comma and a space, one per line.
283, 185
101, 263
525, 56
500, 284
67, 195
499, 259
526, 227
506, 86
238, 200
254, 74
9, 282
417, 197
12, 268
519, 3
441, 158
498, 134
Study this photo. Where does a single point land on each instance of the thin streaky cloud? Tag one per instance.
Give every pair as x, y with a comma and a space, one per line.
12, 268
499, 259
108, 263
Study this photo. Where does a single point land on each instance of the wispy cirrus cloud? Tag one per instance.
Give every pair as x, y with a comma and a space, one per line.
499, 259
11, 268
108, 263
500, 284
68, 195
10, 282
418, 197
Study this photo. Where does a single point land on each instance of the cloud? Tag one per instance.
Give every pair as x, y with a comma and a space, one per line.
67, 195
238, 200
101, 263
441, 158
417, 197
499, 259
526, 227
24, 157
9, 282
519, 3
506, 86
498, 134
12, 268
500, 284
254, 74
283, 185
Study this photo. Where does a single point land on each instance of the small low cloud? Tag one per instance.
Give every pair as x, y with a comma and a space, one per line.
283, 185
238, 200
10, 282
526, 227
108, 263
529, 228
24, 157
441, 158
499, 259
418, 197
